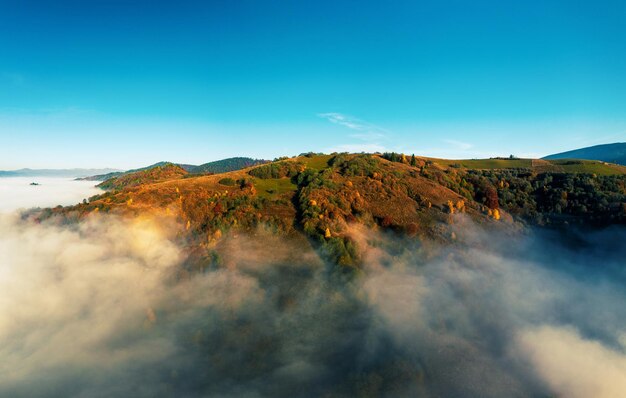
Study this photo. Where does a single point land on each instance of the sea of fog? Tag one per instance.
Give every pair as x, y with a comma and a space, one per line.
108, 307
17, 193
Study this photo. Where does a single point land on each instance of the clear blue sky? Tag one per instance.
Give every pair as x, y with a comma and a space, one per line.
106, 83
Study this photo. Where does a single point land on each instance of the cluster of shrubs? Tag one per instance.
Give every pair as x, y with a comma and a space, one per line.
399, 158
311, 154
318, 218
310, 179
456, 181
277, 170
355, 165
221, 212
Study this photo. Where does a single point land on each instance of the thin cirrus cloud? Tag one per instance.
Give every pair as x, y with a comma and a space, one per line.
352, 122
459, 145
344, 120
358, 147
370, 135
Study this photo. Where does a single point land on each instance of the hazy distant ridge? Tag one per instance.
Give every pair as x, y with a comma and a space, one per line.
54, 172
612, 153
215, 167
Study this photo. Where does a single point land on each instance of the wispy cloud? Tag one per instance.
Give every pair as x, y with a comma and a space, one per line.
459, 145
358, 147
352, 122
370, 135
343, 120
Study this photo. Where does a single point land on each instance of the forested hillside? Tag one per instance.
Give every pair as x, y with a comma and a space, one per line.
322, 198
226, 165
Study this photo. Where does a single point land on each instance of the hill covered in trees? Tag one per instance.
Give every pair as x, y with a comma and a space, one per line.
160, 172
612, 153
323, 198
226, 165
215, 167
108, 176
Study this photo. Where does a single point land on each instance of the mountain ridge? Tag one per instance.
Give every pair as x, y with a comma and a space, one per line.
612, 153
217, 166
75, 172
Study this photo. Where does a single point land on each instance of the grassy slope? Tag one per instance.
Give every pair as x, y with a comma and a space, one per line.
558, 166
587, 166
318, 162
485, 163
274, 187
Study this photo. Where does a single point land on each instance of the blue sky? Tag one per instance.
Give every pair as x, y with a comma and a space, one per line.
108, 83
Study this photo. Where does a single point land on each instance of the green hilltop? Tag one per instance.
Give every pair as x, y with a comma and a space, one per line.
321, 197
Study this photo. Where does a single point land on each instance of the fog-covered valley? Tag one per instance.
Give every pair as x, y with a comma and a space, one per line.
106, 307
18, 193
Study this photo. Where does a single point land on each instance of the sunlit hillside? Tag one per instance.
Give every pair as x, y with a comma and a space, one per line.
321, 196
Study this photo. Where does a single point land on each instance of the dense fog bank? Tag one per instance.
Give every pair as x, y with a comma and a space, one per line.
102, 309
18, 193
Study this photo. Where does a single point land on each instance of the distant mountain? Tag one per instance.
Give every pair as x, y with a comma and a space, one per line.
69, 173
106, 176
101, 177
216, 167
226, 165
612, 153
186, 167
161, 172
